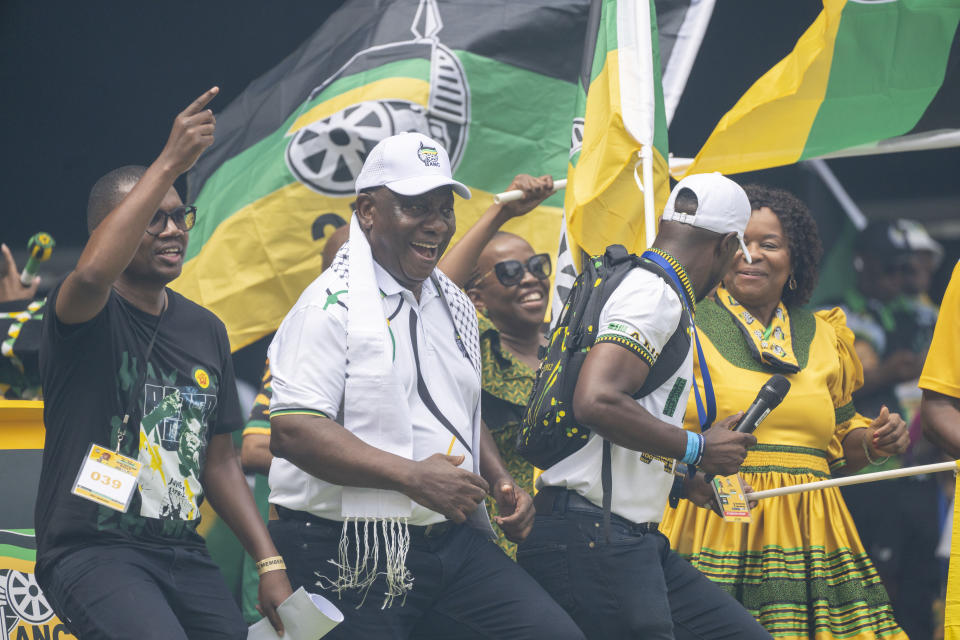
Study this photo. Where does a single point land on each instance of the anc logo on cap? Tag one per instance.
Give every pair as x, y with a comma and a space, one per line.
202, 377
428, 156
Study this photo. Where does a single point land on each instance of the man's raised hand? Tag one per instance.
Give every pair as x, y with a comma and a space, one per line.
535, 191
191, 134
10, 287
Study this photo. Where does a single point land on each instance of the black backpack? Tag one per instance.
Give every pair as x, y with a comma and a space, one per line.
549, 431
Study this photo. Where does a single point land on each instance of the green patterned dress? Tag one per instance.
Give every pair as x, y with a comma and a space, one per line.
507, 383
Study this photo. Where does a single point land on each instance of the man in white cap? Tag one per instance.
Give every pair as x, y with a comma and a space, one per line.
382, 464
609, 567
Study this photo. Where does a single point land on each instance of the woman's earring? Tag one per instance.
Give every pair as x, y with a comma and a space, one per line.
792, 283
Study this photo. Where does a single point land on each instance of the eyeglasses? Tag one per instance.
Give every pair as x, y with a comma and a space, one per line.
183, 217
510, 272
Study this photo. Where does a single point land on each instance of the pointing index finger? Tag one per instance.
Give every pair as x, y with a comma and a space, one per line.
201, 102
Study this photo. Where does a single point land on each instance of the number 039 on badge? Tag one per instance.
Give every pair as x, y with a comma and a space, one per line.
107, 478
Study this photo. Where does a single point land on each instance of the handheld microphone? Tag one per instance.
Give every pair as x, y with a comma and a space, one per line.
40, 247
771, 395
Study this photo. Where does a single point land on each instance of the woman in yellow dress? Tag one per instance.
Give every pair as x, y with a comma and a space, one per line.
799, 566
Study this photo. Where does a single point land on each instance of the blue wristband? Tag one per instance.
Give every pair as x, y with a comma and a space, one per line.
694, 448
699, 450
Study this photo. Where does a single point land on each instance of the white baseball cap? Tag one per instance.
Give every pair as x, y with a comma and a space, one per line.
408, 164
722, 206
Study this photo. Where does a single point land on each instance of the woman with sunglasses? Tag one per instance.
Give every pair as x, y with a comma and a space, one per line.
509, 285
799, 566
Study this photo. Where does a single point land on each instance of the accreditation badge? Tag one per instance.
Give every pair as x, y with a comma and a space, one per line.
732, 498
107, 477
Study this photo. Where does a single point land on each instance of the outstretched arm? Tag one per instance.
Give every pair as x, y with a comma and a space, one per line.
255, 453
459, 260
603, 400
229, 495
114, 242
941, 421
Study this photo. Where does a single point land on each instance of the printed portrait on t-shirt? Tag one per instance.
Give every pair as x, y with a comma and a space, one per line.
173, 441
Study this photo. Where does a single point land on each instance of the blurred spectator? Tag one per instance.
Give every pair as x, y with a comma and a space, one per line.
883, 261
927, 256
898, 520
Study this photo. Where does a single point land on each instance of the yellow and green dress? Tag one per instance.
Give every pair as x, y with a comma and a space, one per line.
506, 384
799, 566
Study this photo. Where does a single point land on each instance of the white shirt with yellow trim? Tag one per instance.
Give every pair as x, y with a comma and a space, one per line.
640, 315
308, 361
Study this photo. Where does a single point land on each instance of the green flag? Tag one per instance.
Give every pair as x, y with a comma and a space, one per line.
494, 82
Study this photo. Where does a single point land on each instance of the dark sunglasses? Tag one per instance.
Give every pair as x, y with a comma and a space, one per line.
183, 217
510, 272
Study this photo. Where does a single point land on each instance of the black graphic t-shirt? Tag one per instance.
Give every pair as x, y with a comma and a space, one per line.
91, 372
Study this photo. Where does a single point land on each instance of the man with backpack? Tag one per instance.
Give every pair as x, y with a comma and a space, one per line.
595, 546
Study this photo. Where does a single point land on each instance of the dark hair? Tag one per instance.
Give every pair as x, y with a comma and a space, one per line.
686, 201
109, 190
802, 237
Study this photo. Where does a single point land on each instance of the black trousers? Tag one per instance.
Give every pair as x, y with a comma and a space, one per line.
633, 586
142, 593
464, 587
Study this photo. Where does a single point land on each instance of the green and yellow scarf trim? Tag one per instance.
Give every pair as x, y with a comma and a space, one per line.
771, 345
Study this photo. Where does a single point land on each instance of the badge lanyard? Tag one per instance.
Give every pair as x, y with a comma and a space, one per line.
110, 478
706, 414
121, 435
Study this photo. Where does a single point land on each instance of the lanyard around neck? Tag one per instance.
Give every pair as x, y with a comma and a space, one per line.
121, 434
705, 413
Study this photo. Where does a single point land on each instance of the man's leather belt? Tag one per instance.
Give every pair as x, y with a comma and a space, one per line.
560, 500
436, 530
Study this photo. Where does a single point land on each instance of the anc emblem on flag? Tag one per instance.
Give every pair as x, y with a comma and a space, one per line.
326, 154
281, 173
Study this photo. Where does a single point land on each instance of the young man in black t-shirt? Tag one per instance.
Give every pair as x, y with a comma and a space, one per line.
116, 342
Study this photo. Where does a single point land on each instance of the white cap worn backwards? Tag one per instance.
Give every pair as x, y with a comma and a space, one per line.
408, 164
722, 206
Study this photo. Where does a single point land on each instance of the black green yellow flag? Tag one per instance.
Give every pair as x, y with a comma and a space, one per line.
617, 178
867, 76
494, 81
620, 108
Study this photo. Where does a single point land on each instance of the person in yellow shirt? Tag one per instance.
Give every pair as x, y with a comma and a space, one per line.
799, 566
940, 379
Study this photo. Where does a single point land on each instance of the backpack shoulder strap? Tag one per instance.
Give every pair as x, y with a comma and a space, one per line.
675, 351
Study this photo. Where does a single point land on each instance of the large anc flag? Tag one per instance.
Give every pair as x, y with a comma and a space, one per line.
620, 110
493, 80
867, 76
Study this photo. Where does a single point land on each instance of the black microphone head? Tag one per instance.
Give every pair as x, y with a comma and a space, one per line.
774, 390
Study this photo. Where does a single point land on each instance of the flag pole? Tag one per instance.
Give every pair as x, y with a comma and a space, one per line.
649, 212
860, 479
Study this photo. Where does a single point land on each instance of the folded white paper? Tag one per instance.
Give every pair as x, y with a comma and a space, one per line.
305, 616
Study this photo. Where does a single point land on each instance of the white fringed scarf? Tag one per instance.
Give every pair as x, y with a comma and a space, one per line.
376, 411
